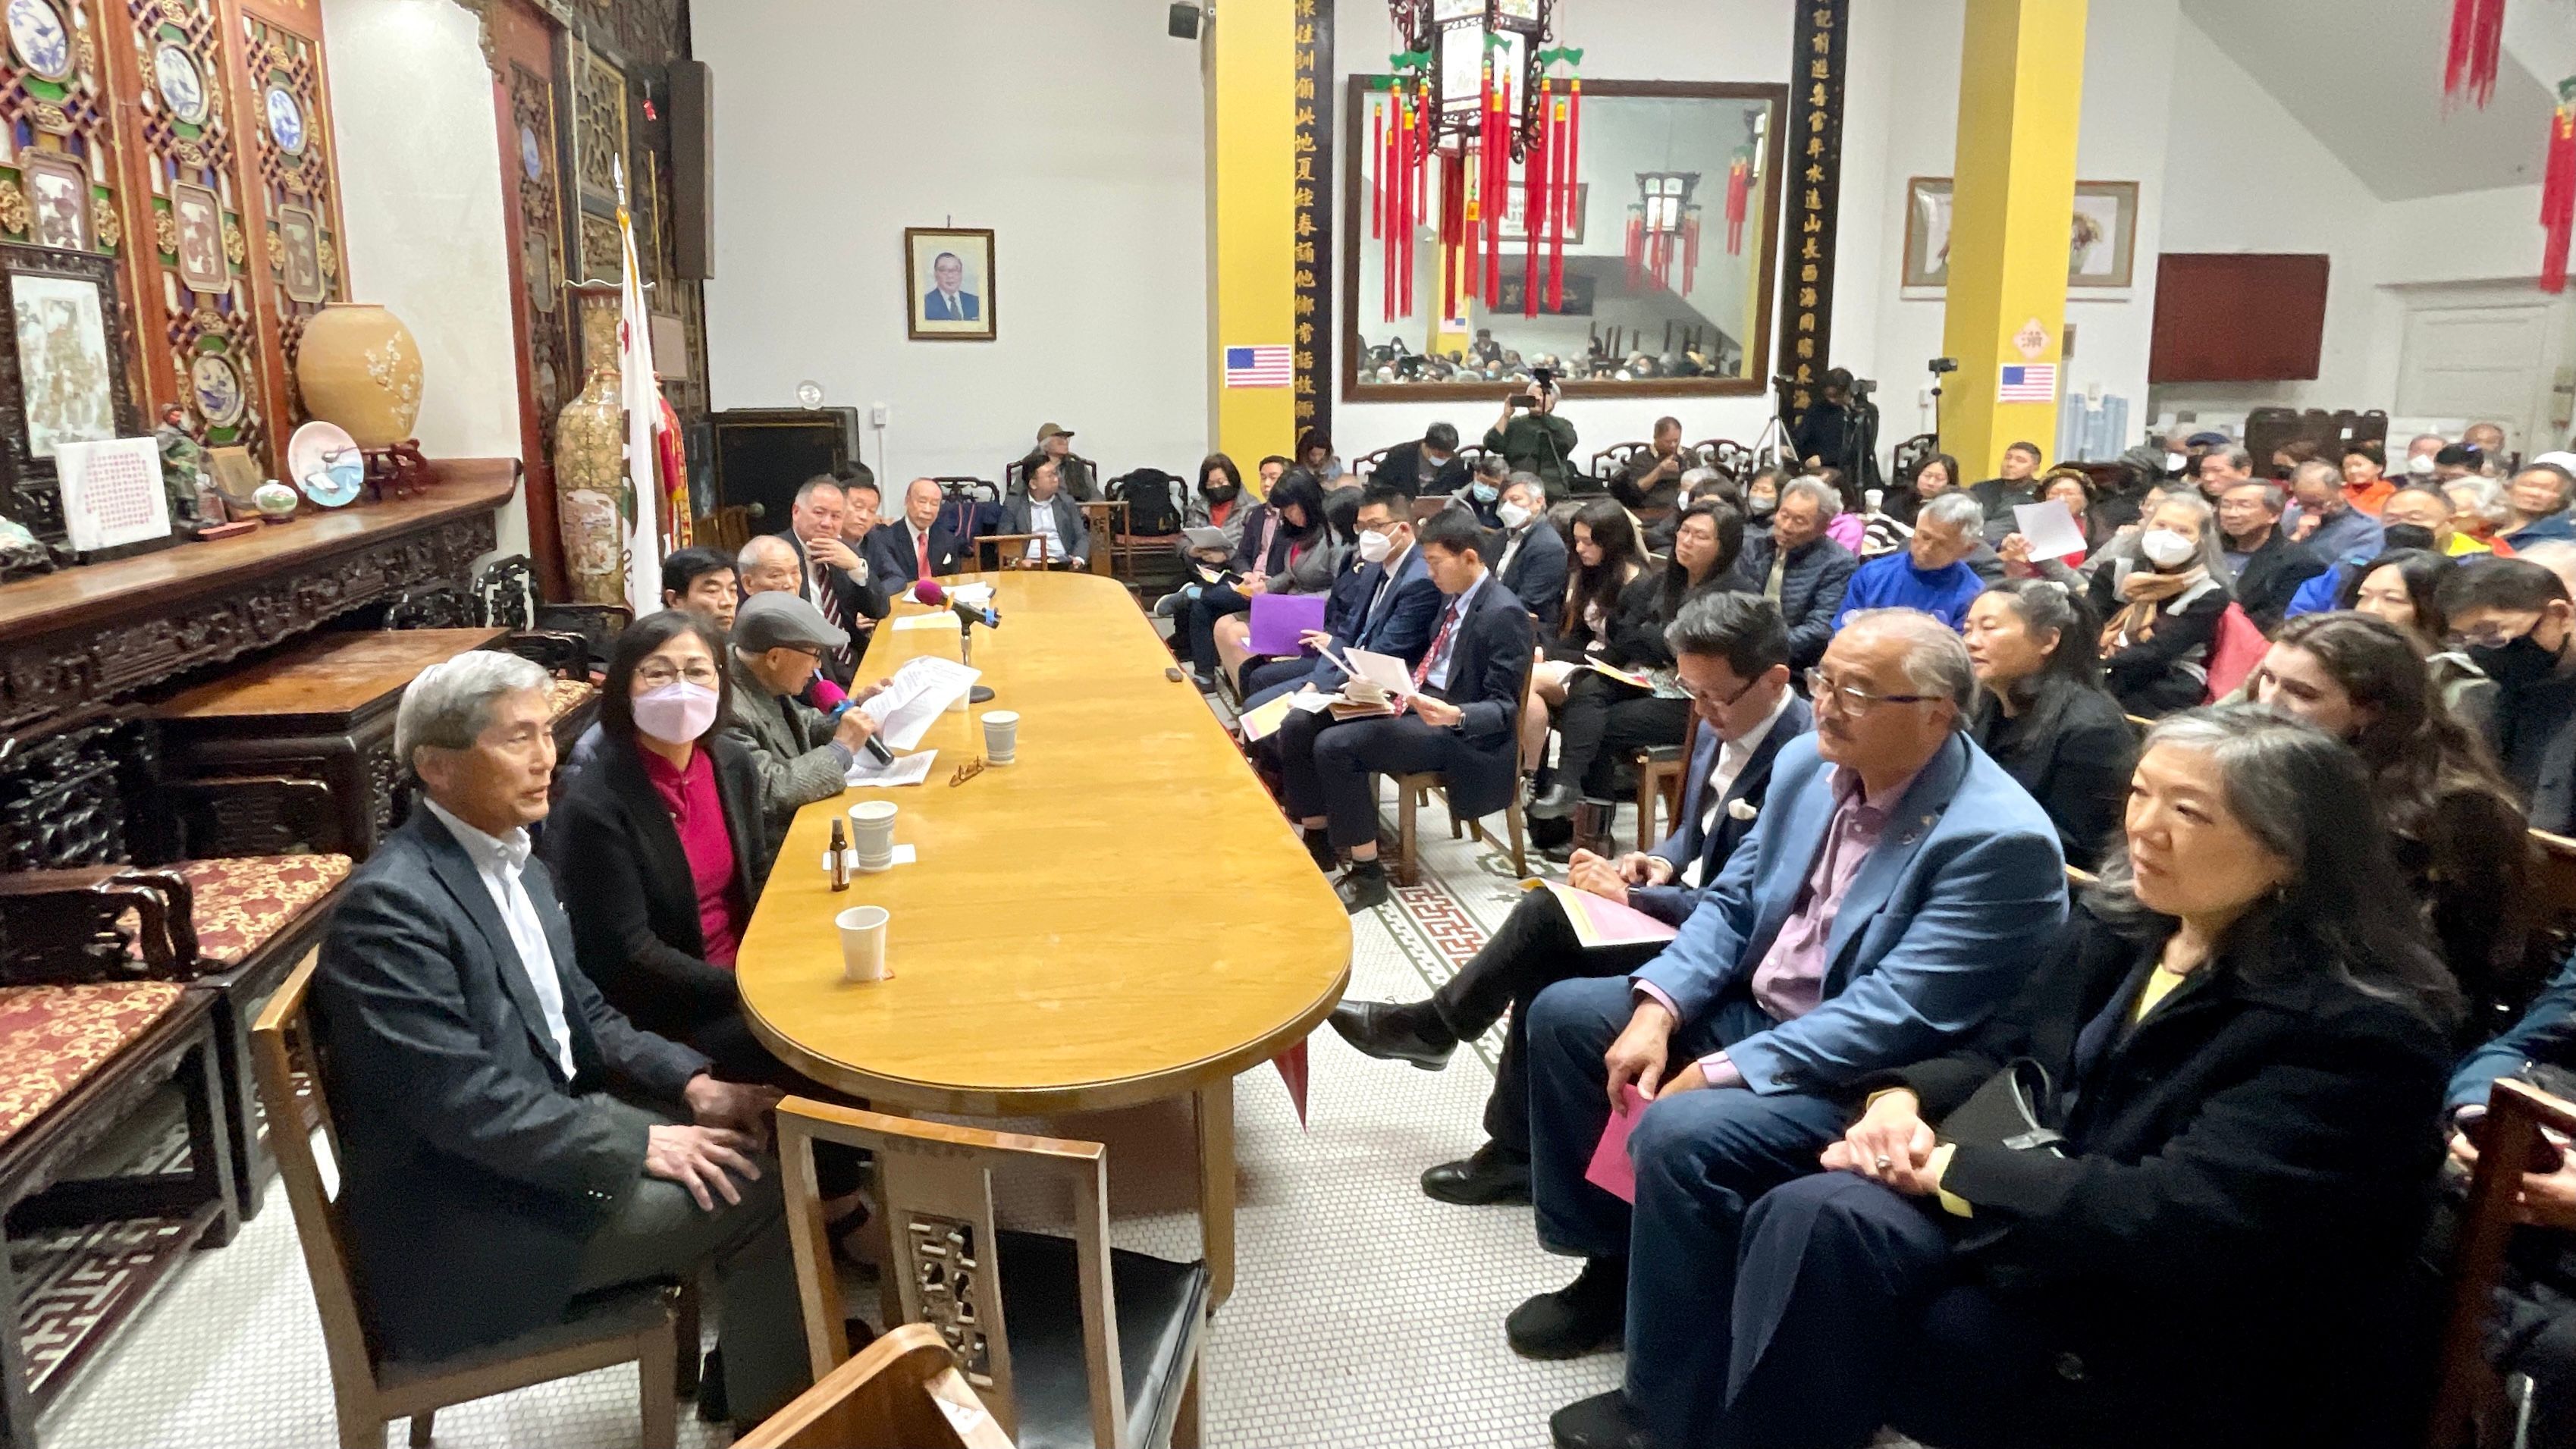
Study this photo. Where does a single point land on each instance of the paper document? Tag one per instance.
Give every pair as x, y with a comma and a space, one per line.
1386, 671
915, 696
941, 620
2049, 529
1263, 721
1635, 677
973, 596
1278, 620
1600, 921
906, 769
1207, 538
1610, 1170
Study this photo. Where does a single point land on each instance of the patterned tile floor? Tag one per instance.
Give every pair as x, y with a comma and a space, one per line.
1365, 1315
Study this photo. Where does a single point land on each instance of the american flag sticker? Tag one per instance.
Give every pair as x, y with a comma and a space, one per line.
2028, 382
1256, 367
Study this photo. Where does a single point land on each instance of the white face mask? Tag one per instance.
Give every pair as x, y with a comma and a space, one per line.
2421, 465
1513, 516
2165, 548
1374, 547
677, 713
2174, 462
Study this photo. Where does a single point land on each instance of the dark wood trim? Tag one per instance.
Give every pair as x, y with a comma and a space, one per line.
1757, 347
513, 30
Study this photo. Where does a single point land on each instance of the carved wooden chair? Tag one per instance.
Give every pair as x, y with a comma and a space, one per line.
1725, 455
1911, 455
1000, 551
654, 1327
1365, 466
727, 529
1068, 1341
1616, 456
1660, 770
2472, 1407
901, 1392
1110, 547
1413, 791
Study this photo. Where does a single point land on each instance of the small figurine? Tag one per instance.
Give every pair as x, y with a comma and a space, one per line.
183, 472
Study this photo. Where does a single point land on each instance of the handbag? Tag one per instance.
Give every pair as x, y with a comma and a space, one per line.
2005, 1112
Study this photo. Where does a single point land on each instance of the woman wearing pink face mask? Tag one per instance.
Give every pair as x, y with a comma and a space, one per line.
656, 845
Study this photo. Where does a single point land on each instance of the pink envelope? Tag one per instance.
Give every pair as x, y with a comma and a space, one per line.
1611, 1171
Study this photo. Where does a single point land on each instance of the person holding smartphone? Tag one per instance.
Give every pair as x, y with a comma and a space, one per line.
1531, 437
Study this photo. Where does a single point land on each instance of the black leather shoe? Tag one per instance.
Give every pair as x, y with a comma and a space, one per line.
1588, 1315
1395, 1033
1489, 1176
1319, 849
1603, 1421
1557, 802
1362, 889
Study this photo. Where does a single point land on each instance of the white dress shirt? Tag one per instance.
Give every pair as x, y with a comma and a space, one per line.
1042, 526
501, 862
1731, 758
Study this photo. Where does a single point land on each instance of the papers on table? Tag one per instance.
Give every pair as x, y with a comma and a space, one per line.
915, 696
906, 770
1278, 620
941, 620
1600, 921
2049, 529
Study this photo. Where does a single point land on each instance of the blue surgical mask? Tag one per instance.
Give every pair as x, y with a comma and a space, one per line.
1484, 492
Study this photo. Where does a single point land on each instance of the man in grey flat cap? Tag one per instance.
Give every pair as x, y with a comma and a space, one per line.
800, 753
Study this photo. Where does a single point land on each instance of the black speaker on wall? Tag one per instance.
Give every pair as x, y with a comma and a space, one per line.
764, 454
693, 159
1184, 24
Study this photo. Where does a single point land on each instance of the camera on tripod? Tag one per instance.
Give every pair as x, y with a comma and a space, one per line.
1862, 387
1940, 365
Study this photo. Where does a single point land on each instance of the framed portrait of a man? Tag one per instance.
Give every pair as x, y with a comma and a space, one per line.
948, 284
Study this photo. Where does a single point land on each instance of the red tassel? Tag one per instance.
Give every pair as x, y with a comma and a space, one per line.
1377, 178
1533, 204
1636, 246
1739, 189
2558, 200
1690, 253
2469, 67
1560, 204
1382, 157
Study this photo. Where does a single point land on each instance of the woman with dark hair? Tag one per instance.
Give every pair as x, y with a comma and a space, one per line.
1275, 552
1605, 716
1606, 559
1310, 559
657, 847
2198, 1231
1932, 477
1762, 495
2042, 711
1315, 455
2404, 587
1217, 502
2460, 836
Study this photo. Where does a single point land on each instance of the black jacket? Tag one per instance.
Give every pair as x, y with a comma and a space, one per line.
2079, 773
1811, 589
630, 892
1402, 468
891, 564
2214, 1259
471, 1171
2271, 575
1737, 812
2169, 670
1488, 660
1537, 573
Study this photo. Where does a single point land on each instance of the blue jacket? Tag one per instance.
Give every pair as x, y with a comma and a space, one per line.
2318, 594
1939, 928
1811, 589
1672, 904
2547, 1032
1891, 581
1401, 623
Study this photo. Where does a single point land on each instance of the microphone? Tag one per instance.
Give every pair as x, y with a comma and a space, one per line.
929, 591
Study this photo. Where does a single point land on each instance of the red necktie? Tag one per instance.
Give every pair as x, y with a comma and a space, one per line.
1439, 642
921, 554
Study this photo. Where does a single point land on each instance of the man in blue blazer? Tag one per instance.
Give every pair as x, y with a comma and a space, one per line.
1733, 653
898, 550
1462, 721
947, 300
1400, 604
1894, 893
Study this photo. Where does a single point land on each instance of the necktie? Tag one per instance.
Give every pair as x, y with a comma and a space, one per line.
828, 599
1439, 644
1779, 566
921, 553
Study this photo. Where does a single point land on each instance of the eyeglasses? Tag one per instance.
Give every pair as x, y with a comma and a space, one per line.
654, 674
1856, 702
2494, 634
1712, 702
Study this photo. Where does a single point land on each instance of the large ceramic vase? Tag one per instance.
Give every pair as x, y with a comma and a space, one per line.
359, 367
590, 475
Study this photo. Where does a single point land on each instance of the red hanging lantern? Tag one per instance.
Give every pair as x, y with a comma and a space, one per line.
2477, 34
1739, 190
2558, 191
1636, 245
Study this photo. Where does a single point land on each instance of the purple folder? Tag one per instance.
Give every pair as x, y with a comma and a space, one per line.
1277, 620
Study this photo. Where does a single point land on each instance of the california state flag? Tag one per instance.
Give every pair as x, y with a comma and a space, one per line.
642, 397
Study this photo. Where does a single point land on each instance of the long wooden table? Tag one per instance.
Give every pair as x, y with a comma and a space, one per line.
1121, 916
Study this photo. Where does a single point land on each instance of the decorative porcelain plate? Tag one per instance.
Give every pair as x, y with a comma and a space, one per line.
37, 33
325, 462
219, 389
286, 120
182, 84
532, 157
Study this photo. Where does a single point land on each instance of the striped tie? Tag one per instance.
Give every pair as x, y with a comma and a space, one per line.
828, 599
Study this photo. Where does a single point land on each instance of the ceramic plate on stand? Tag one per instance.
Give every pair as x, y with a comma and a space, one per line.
325, 462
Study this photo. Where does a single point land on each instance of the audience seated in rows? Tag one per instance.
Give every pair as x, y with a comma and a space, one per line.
507, 1141
1649, 484
2517, 627
1425, 468
1794, 565
1930, 573
1392, 605
1458, 724
1893, 893
2403, 586
1606, 716
1529, 557
798, 753
1733, 660
1060, 537
923, 544
2161, 614
2043, 713
2222, 467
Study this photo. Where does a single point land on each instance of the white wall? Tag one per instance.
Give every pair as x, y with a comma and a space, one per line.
421, 215
1073, 131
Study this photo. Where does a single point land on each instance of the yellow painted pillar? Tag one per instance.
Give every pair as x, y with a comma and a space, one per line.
1249, 60
2021, 80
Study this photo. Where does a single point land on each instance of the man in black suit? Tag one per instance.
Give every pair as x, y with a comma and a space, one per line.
1461, 721
1733, 653
1529, 557
2269, 568
488, 1174
830, 574
1424, 469
922, 544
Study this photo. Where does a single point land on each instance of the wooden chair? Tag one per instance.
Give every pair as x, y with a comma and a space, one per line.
1413, 791
1107, 520
901, 1392
1066, 1340
1365, 466
1725, 455
1660, 769
1911, 455
1010, 551
654, 1327
1616, 456
2471, 1407
1427, 508
727, 529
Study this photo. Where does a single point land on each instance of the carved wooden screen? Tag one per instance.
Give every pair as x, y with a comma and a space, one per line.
195, 315
294, 193
523, 50
60, 185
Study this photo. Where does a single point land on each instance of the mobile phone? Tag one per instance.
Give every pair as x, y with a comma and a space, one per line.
2549, 1156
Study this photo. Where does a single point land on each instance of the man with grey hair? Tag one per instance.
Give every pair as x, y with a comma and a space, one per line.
1530, 556
766, 565
1897, 889
1795, 566
2269, 568
1932, 573
2222, 468
488, 1175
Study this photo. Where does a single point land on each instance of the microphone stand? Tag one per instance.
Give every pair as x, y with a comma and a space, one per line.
978, 693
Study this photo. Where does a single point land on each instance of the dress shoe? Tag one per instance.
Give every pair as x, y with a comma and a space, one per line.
1556, 802
1361, 888
1489, 1175
1205, 682
1603, 1421
1588, 1315
1319, 849
1396, 1033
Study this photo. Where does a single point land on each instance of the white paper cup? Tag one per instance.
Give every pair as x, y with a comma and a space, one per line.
863, 940
872, 834
1001, 736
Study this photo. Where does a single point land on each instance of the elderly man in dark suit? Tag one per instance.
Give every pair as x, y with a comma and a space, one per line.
1733, 655
509, 1142
830, 574
922, 544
